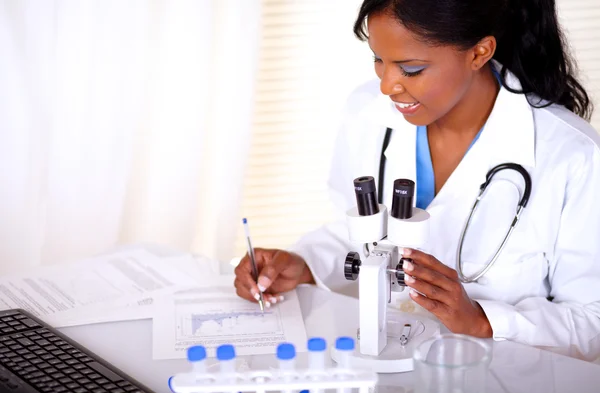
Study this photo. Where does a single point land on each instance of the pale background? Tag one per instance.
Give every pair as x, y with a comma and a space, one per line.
166, 122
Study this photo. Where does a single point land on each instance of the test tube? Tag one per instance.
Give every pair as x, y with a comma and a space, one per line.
226, 358
344, 346
196, 355
316, 353
286, 353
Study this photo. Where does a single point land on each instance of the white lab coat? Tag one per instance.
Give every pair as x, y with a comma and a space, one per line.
554, 253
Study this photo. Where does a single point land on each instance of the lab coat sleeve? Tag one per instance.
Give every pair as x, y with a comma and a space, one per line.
570, 323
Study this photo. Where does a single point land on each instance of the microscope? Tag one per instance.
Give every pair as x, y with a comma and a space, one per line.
385, 339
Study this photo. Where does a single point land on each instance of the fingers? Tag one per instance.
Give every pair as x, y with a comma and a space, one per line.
428, 304
277, 262
269, 263
429, 290
427, 275
242, 291
272, 299
429, 261
245, 283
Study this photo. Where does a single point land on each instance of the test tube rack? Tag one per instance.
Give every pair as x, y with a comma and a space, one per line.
316, 378
326, 380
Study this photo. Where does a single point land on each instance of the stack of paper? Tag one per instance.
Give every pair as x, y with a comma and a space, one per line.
187, 302
116, 287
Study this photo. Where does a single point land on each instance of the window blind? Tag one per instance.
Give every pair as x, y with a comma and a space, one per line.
309, 62
581, 22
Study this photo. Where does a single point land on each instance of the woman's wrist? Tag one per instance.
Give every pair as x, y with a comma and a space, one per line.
306, 277
484, 328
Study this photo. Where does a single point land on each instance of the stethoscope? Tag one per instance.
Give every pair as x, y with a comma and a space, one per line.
488, 178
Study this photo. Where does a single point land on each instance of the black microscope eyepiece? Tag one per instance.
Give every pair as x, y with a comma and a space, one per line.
366, 195
402, 199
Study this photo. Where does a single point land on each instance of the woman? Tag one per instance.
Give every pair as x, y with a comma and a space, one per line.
472, 84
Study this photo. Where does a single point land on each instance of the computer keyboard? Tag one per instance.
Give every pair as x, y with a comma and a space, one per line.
35, 358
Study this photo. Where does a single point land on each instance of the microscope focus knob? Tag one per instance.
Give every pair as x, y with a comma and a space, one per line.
352, 266
400, 271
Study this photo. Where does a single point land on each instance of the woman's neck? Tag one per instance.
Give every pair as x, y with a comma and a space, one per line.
467, 118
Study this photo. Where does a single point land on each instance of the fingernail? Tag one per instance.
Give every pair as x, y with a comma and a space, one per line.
273, 300
281, 298
408, 279
400, 250
408, 266
413, 293
257, 296
263, 283
406, 252
268, 304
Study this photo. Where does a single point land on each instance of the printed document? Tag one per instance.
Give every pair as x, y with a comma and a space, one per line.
214, 315
197, 269
84, 292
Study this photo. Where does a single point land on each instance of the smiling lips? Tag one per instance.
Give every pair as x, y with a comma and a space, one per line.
407, 108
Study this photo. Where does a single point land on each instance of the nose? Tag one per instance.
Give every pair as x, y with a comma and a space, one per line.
390, 84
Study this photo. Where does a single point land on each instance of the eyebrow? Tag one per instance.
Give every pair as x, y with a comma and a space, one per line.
408, 61
403, 61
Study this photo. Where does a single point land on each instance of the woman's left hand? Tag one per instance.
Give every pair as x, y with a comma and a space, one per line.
445, 296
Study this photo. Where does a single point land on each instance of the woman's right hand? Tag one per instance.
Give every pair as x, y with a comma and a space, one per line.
279, 271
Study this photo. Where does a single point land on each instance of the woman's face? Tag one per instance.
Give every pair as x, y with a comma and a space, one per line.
425, 82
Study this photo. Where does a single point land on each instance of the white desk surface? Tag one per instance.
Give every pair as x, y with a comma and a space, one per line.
515, 368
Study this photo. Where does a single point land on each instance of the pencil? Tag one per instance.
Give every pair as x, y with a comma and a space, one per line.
253, 262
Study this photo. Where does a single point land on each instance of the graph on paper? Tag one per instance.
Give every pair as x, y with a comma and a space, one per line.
215, 315
218, 313
218, 323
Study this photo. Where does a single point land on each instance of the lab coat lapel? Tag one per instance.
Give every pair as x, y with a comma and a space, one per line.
508, 136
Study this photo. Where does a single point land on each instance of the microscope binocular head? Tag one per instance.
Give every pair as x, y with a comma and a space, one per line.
380, 232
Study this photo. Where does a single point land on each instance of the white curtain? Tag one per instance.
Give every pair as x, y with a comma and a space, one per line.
122, 122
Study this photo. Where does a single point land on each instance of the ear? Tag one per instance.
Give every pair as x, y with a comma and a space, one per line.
482, 52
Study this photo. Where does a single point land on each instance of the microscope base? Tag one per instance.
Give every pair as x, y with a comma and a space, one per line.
395, 358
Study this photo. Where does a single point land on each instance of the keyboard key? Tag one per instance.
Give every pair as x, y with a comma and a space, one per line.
105, 371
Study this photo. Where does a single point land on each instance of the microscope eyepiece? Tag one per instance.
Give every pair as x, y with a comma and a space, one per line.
366, 195
402, 200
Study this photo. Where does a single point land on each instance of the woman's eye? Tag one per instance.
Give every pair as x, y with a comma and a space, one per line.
376, 59
411, 71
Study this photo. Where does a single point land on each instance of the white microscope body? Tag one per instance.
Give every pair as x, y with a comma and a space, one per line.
384, 234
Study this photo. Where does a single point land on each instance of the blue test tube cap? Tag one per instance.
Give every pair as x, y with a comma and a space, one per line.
196, 353
225, 352
344, 344
286, 351
317, 344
